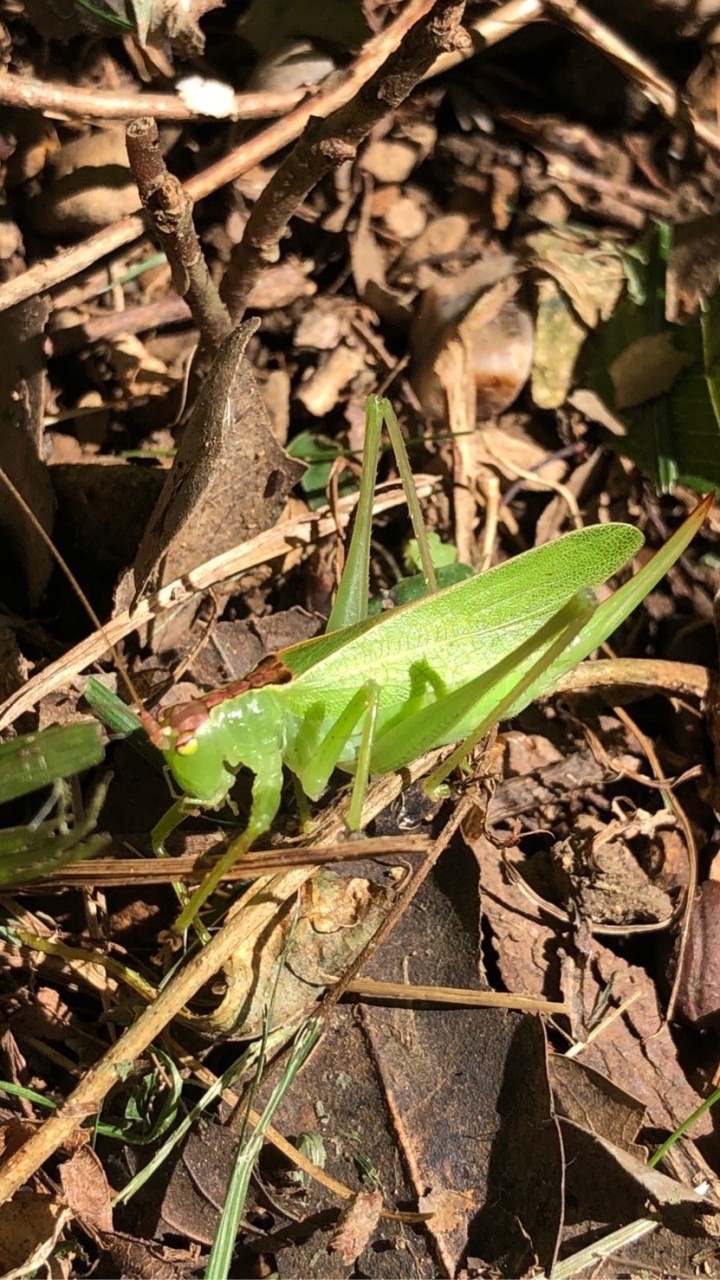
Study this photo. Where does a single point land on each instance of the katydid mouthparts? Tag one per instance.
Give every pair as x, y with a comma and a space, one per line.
373, 694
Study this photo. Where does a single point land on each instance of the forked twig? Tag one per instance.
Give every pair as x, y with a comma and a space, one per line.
52, 271
327, 143
487, 30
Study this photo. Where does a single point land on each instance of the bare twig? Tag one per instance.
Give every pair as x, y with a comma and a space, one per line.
490, 29
487, 30
102, 328
329, 142
69, 101
170, 208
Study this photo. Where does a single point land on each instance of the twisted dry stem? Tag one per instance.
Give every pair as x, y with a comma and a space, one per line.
170, 208
71, 101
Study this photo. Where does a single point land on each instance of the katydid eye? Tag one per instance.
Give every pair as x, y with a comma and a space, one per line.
187, 748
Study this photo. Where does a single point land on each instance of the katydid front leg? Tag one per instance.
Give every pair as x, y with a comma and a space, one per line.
171, 819
266, 793
314, 774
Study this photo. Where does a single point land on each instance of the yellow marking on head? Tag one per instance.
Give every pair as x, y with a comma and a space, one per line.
187, 748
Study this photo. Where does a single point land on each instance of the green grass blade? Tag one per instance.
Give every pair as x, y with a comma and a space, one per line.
113, 712
121, 721
36, 760
220, 1261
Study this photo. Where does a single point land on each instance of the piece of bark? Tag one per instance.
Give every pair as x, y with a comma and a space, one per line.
229, 480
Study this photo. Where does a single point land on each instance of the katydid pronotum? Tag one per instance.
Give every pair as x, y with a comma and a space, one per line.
373, 694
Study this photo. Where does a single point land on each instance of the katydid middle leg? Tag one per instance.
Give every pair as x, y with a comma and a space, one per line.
315, 771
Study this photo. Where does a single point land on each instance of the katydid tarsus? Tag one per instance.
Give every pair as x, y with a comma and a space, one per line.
373, 694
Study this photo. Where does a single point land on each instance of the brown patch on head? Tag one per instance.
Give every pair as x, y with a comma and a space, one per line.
183, 721
270, 671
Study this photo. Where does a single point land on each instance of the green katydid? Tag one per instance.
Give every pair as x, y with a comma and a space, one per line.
370, 695
373, 694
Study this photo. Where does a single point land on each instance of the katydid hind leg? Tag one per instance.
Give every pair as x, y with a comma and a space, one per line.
352, 596
351, 601
482, 700
611, 613
567, 624
408, 483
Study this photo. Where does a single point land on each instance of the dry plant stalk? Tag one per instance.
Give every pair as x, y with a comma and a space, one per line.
249, 920
327, 143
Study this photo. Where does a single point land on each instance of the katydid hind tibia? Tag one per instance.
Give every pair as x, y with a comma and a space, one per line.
373, 694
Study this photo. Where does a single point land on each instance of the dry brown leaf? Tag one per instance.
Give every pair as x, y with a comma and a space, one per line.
322, 391
86, 1189
87, 185
30, 1225
356, 1225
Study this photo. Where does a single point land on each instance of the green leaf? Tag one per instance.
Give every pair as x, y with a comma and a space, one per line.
320, 453
660, 380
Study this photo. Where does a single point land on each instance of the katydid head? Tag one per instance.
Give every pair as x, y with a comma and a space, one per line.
207, 739
178, 727
193, 752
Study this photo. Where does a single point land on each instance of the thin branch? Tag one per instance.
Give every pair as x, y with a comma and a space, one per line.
105, 327
70, 102
489, 29
52, 271
327, 143
170, 208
